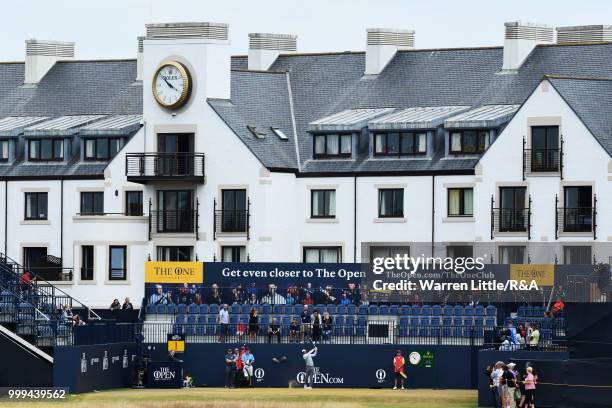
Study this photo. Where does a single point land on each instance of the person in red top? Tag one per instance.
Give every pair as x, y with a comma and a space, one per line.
398, 369
239, 375
558, 307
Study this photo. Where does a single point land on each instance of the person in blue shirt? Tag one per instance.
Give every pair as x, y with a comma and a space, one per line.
290, 300
248, 360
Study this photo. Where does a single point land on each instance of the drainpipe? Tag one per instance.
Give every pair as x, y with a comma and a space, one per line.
5, 216
62, 221
355, 219
433, 212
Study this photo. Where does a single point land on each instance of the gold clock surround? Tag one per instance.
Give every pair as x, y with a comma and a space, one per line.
186, 85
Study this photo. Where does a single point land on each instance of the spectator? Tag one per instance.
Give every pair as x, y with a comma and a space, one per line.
252, 290
66, 314
238, 295
230, 368
25, 282
248, 361
488, 374
272, 297
223, 320
274, 330
115, 305
305, 326
517, 392
172, 356
294, 329
197, 298
307, 299
327, 326
496, 378
158, 297
509, 380
215, 294
253, 324
328, 297
530, 387
242, 329
239, 375
317, 324
127, 305
184, 294
290, 300
535, 338
77, 321
557, 308
253, 299
344, 300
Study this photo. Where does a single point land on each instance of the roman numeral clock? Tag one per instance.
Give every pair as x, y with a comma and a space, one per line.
171, 85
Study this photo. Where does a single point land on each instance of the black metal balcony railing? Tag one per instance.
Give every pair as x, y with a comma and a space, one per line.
232, 221
577, 219
542, 160
510, 219
173, 221
164, 165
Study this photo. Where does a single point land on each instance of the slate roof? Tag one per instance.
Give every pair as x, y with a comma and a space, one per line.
325, 84
487, 116
71, 89
591, 99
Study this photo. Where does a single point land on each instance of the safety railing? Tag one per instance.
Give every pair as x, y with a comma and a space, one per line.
164, 165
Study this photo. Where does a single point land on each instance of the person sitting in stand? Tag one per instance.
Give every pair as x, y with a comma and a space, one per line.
184, 293
344, 299
159, 297
274, 330
327, 326
115, 305
253, 299
290, 300
557, 308
76, 321
294, 330
307, 299
215, 295
272, 297
127, 305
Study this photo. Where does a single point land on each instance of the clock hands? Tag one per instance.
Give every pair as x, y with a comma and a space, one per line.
168, 83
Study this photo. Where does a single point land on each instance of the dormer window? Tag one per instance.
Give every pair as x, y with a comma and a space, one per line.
46, 149
333, 146
4, 150
468, 141
102, 148
400, 144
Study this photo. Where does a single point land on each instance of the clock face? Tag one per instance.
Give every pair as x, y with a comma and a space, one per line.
171, 85
415, 358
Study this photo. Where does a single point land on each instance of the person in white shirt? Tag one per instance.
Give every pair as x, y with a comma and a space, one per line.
223, 320
272, 297
310, 371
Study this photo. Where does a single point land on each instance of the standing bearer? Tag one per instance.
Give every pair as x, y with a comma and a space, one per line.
398, 369
310, 371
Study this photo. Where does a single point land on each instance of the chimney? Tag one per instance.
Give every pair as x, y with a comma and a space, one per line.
584, 34
521, 38
140, 40
42, 55
264, 48
382, 44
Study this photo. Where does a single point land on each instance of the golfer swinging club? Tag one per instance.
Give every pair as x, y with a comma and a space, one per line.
310, 371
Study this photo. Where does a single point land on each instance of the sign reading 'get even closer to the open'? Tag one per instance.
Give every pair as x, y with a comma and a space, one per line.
174, 272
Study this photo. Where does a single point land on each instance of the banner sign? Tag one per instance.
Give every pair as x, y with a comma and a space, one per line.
165, 374
542, 274
174, 272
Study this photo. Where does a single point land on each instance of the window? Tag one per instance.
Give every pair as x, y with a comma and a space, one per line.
174, 253
233, 254
469, 141
460, 202
278, 132
388, 252
176, 213
234, 215
577, 255
390, 202
545, 152
117, 269
92, 203
102, 148
578, 211
46, 149
323, 204
400, 144
460, 251
333, 145
133, 203
35, 206
513, 214
87, 262
512, 255
323, 254
4, 150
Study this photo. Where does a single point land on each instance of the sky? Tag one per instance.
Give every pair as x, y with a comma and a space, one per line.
108, 28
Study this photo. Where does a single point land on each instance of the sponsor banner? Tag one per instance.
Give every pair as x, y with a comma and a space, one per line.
166, 374
174, 272
542, 274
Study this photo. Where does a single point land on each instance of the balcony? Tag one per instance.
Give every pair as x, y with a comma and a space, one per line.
232, 222
579, 220
173, 222
147, 167
510, 220
542, 160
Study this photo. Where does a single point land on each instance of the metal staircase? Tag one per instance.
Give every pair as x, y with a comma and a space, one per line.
33, 309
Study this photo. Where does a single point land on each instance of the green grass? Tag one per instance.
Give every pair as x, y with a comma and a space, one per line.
266, 398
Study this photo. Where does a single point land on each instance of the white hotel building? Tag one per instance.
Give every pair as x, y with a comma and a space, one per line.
190, 153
